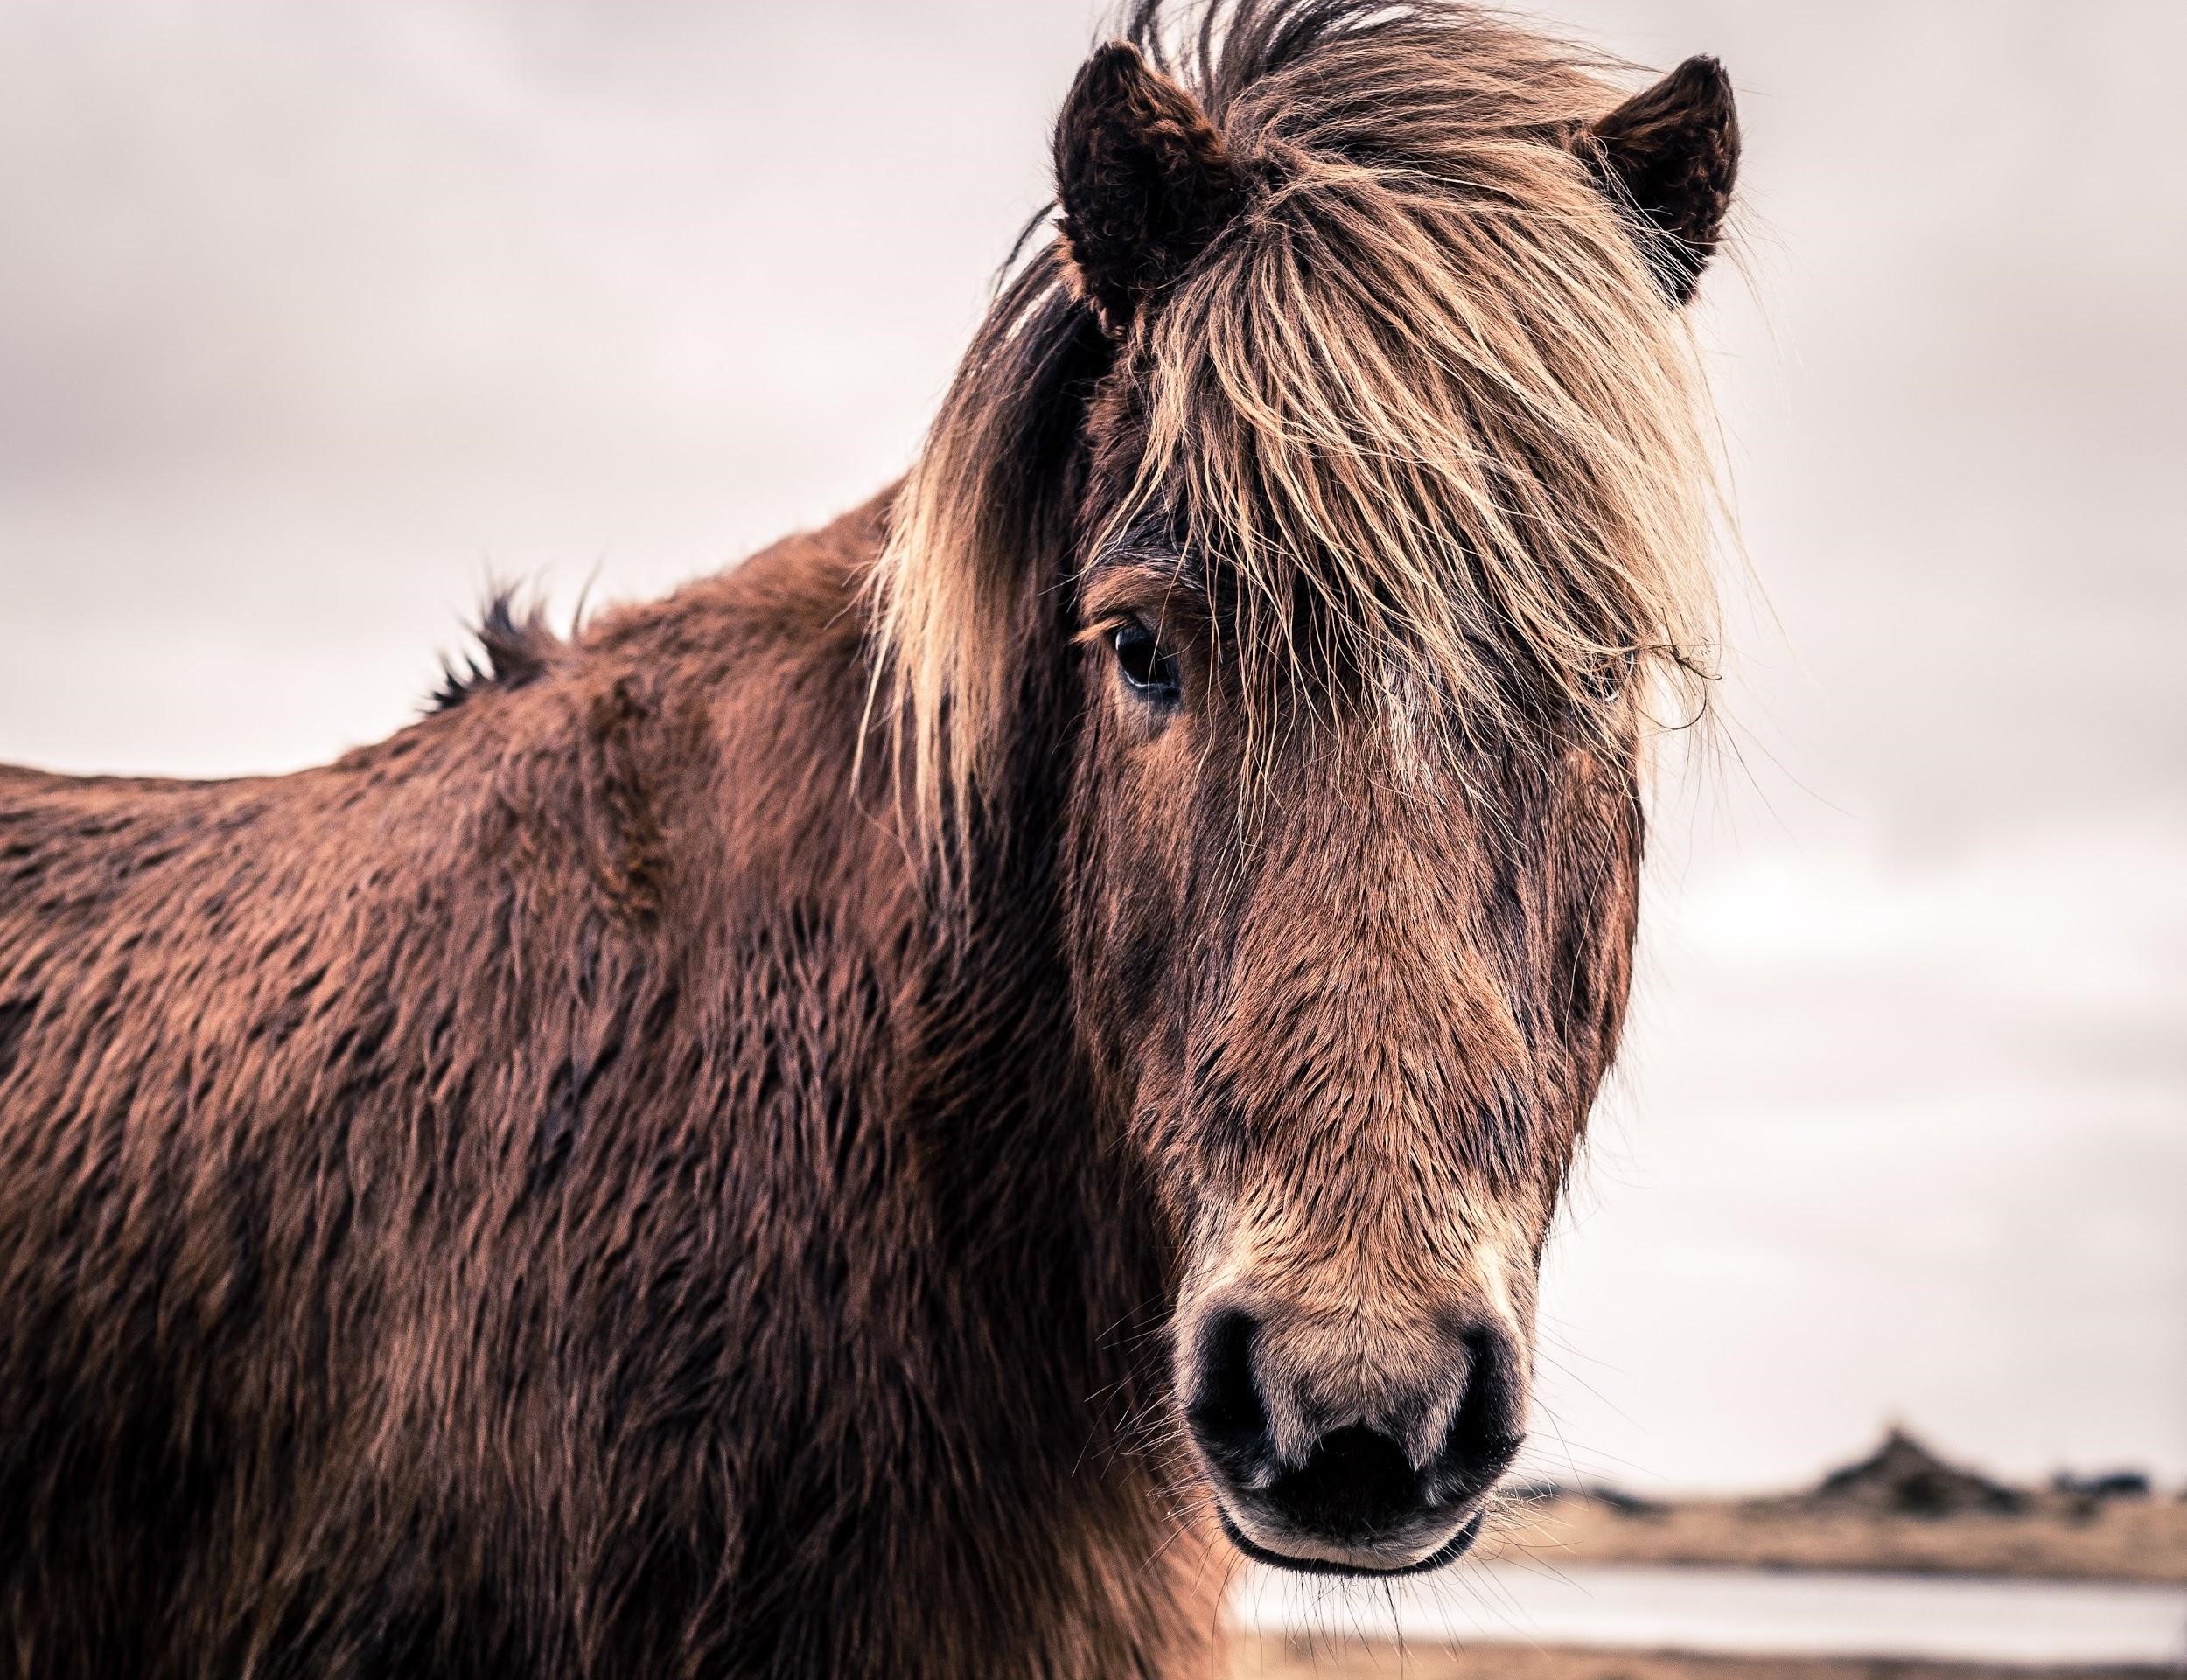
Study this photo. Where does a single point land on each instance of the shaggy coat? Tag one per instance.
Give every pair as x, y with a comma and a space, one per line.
528, 1198
841, 1122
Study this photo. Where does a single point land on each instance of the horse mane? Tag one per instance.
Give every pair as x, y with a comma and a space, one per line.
516, 647
1421, 409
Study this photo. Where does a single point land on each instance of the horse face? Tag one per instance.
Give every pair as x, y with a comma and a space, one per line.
1356, 833
1354, 996
1357, 430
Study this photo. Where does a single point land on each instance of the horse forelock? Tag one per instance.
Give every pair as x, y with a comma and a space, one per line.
1421, 410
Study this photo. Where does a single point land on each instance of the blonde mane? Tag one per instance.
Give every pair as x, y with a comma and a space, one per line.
1422, 407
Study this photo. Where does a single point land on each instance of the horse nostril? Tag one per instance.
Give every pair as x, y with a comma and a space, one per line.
1228, 1415
1487, 1428
1364, 1482
1356, 1485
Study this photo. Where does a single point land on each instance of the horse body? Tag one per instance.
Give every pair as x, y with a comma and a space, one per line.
496, 1204
849, 1120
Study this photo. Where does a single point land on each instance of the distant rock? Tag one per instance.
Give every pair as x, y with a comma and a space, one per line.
2114, 1484
1903, 1478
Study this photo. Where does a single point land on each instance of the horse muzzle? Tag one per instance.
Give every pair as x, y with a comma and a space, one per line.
1316, 1469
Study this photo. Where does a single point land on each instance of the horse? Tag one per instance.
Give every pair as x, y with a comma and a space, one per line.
900, 1109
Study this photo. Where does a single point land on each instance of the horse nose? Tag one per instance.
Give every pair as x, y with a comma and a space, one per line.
1318, 1468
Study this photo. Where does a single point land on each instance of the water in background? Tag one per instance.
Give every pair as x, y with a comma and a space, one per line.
1754, 1613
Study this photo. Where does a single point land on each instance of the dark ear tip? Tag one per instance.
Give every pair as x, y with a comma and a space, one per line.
1103, 75
1674, 150
1114, 59
1698, 93
1144, 178
1710, 86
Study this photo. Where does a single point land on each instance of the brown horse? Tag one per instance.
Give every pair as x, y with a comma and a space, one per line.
855, 1119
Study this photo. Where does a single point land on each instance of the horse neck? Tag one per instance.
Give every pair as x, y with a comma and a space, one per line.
1037, 1184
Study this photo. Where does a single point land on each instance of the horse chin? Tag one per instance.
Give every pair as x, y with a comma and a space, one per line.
1353, 1564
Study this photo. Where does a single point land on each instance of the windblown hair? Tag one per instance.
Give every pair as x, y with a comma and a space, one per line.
1421, 410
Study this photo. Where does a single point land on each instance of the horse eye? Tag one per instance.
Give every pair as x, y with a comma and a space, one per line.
1146, 667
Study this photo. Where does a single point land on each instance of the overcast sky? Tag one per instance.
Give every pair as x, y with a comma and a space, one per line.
313, 318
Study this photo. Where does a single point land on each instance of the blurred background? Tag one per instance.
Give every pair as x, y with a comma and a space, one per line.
313, 319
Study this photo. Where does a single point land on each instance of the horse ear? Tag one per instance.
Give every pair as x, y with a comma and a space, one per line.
1144, 179
1672, 153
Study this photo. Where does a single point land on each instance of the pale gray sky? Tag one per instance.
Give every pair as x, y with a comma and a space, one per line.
313, 318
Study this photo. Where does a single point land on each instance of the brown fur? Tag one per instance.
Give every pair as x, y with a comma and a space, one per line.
599, 1183
530, 1197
